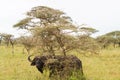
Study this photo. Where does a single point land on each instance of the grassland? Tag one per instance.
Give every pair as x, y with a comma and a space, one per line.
105, 66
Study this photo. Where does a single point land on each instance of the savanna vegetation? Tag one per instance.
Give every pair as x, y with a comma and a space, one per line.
104, 66
52, 32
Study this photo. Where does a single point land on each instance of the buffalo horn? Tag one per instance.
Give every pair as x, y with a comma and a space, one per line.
29, 58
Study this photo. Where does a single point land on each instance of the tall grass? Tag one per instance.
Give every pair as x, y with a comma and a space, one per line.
105, 66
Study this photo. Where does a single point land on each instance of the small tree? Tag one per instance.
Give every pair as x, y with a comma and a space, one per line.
28, 42
86, 42
116, 37
105, 41
109, 38
1, 38
8, 39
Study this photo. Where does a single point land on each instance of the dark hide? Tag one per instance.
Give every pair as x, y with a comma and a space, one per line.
57, 64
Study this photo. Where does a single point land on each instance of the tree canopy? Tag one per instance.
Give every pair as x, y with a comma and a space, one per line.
48, 25
52, 30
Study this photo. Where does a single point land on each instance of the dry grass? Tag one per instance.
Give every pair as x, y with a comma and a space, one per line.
105, 66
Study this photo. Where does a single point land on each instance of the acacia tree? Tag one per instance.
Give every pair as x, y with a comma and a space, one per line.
109, 38
86, 30
1, 37
48, 26
104, 41
116, 37
52, 30
86, 42
27, 41
8, 39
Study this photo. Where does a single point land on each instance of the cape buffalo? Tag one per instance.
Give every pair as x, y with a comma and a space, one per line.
57, 64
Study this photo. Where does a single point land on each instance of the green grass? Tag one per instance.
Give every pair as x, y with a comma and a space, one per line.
105, 66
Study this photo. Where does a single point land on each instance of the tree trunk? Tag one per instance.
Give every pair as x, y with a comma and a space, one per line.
61, 44
119, 44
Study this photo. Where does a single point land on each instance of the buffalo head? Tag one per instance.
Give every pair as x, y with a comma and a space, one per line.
38, 62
